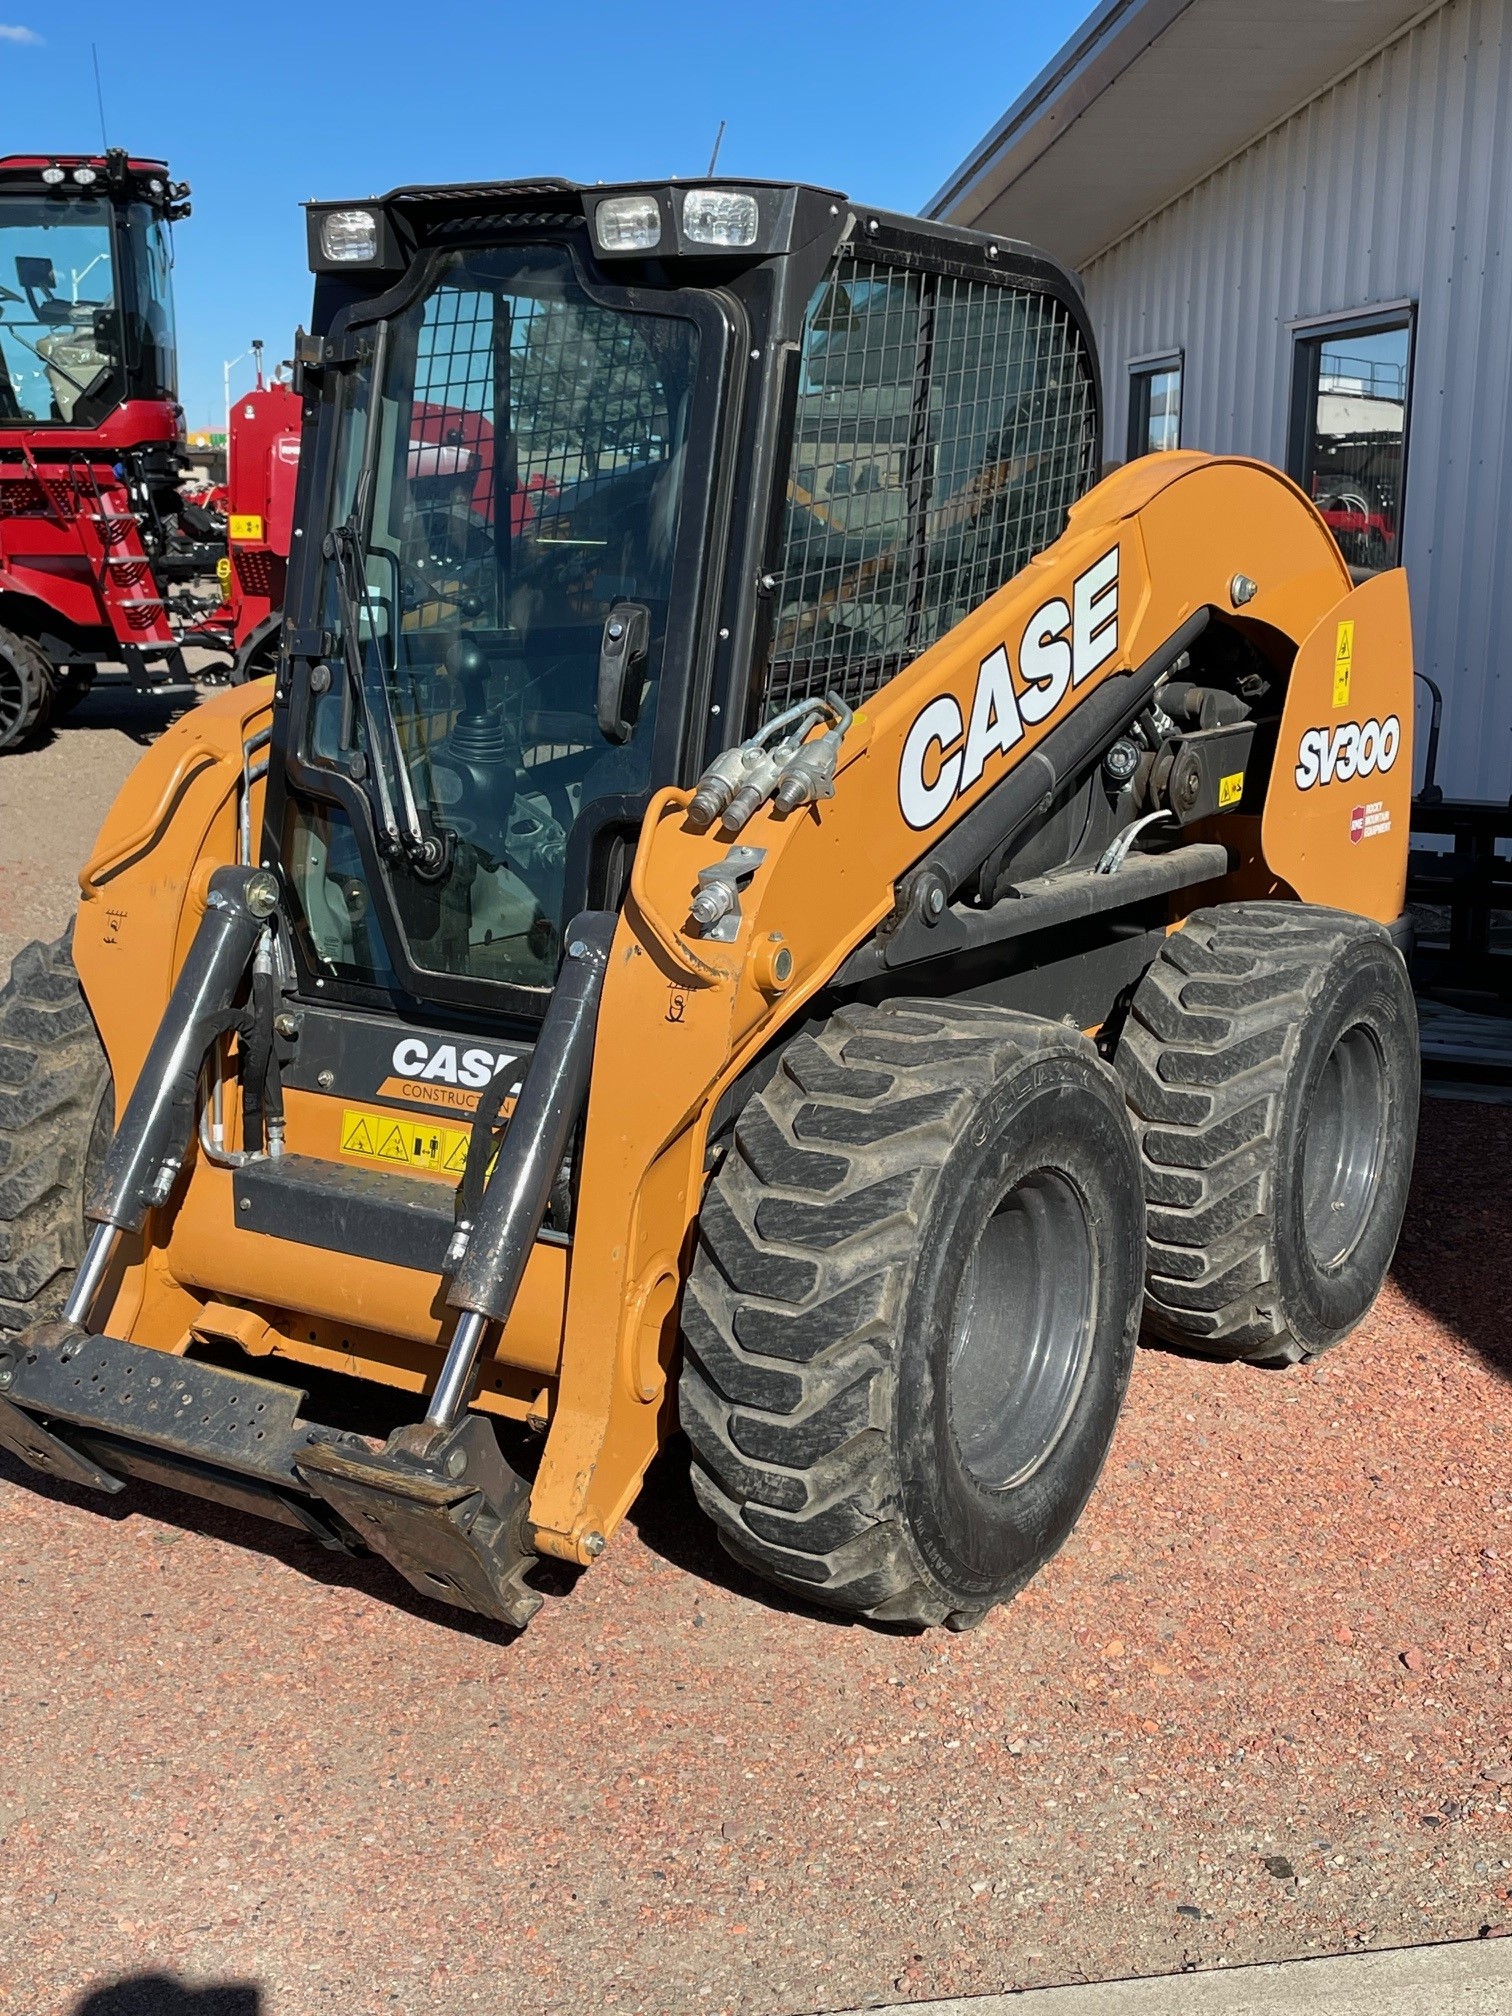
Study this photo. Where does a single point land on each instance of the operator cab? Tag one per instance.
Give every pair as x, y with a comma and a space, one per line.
593, 482
86, 296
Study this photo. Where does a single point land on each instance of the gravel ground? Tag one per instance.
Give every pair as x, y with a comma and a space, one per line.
53, 797
1260, 1706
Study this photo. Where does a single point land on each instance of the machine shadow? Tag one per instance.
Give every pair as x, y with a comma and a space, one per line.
114, 705
1451, 1260
365, 1573
669, 1521
161, 1995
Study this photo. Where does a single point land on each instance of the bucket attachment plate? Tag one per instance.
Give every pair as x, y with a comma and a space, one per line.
232, 1419
451, 1520
443, 1507
49, 1453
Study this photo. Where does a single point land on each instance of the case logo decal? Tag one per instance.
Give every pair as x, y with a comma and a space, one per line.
1335, 755
1062, 645
449, 1075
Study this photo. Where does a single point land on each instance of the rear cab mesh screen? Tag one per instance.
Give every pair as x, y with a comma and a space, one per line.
944, 428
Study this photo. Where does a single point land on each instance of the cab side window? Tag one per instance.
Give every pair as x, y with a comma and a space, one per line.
944, 427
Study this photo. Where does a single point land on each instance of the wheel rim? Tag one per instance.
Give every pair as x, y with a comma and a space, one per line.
15, 700
1022, 1331
1344, 1146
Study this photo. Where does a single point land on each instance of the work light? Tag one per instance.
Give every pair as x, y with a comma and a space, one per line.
84, 176
52, 176
628, 223
719, 217
349, 237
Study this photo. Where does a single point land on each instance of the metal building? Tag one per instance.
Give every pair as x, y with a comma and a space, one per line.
1291, 218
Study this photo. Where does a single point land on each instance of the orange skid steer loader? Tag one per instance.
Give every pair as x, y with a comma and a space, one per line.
761, 898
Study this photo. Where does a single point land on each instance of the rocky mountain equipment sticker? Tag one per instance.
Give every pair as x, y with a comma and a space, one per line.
1368, 822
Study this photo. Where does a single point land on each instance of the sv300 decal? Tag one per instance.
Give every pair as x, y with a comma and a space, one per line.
1353, 749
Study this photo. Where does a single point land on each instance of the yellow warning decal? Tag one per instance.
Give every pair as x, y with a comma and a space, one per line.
1343, 663
1230, 789
244, 525
404, 1144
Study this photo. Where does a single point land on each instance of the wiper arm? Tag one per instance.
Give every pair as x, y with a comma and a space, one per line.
425, 850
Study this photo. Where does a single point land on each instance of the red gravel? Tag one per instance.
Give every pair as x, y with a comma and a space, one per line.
1260, 1706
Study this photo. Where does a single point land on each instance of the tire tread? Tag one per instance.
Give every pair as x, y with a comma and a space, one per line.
807, 1235
1203, 1059
53, 1075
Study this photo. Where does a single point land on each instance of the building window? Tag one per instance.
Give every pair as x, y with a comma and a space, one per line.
1350, 393
1154, 405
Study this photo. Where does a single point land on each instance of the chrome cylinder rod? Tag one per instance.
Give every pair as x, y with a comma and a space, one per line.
547, 1109
85, 1293
454, 1387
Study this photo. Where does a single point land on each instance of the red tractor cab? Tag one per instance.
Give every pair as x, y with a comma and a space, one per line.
102, 559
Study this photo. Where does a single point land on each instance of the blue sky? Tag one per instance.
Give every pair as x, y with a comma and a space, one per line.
881, 101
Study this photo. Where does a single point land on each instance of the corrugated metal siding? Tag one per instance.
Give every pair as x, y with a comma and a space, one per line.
1393, 185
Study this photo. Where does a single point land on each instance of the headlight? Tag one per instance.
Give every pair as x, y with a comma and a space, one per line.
52, 176
628, 223
349, 237
719, 217
84, 176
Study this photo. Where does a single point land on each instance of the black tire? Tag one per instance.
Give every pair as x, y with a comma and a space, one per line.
56, 1113
257, 657
1271, 1062
921, 1188
26, 690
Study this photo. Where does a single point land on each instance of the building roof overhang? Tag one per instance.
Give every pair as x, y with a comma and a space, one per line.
1144, 100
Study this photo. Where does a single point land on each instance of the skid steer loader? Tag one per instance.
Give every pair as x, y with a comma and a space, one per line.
762, 897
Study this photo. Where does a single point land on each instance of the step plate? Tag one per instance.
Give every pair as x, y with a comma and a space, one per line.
344, 1208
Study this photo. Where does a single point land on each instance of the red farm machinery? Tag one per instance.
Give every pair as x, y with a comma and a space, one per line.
262, 444
105, 564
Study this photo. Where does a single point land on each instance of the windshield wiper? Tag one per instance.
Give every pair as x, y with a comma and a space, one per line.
403, 834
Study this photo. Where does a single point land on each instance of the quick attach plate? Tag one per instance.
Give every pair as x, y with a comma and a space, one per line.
451, 1520
229, 1419
447, 1511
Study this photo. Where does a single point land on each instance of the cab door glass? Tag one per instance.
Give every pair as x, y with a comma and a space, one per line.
522, 478
60, 331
